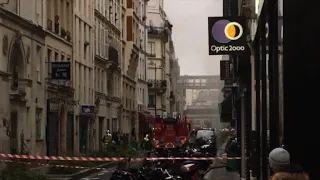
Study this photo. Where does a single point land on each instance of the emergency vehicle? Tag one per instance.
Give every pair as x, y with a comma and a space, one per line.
170, 132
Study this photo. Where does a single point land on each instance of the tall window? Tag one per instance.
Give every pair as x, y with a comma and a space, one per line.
38, 122
151, 48
39, 69
106, 45
152, 101
101, 39
95, 36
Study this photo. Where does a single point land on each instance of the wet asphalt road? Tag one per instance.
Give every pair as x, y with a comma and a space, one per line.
217, 174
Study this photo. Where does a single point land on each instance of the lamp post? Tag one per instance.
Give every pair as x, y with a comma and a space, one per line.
155, 82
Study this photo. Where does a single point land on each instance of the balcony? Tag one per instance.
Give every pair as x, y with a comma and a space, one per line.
158, 32
60, 85
113, 58
157, 84
55, 28
172, 97
152, 30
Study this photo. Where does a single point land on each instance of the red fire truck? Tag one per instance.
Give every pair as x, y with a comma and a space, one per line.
170, 132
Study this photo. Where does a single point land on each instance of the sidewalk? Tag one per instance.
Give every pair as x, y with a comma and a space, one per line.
222, 174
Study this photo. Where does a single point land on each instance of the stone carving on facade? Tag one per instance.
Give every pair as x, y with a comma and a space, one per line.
19, 35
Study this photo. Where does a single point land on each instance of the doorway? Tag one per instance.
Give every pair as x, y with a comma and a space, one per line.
14, 133
83, 134
100, 134
70, 133
52, 133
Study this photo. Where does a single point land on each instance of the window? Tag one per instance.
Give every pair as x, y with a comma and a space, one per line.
108, 124
56, 56
85, 40
39, 71
152, 100
49, 58
38, 122
142, 96
39, 12
98, 80
106, 8
151, 48
101, 40
102, 80
106, 45
96, 32
68, 18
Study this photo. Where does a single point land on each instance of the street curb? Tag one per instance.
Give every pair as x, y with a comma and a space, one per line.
80, 174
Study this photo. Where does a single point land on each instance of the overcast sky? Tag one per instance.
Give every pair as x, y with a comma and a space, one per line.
190, 34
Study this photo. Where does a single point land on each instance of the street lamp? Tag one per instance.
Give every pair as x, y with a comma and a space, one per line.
155, 81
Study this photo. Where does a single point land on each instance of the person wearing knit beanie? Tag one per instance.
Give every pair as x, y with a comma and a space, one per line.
278, 158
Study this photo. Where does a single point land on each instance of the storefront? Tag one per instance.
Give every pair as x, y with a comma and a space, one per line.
266, 48
146, 120
60, 126
86, 127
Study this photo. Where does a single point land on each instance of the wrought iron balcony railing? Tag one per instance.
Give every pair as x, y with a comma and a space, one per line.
156, 30
157, 84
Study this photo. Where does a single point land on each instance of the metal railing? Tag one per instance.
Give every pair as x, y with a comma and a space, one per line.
161, 84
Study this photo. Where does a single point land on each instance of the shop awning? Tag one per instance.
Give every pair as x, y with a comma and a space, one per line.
225, 109
150, 117
142, 116
146, 116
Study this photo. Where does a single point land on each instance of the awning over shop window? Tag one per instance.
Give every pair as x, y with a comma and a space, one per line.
142, 116
225, 109
146, 116
150, 117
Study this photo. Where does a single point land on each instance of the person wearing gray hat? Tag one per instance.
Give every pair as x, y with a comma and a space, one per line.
278, 158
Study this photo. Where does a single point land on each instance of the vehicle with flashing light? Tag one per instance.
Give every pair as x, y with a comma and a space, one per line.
170, 133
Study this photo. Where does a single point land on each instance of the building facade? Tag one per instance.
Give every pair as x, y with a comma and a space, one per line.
142, 86
204, 109
60, 94
159, 33
22, 72
108, 81
130, 53
104, 44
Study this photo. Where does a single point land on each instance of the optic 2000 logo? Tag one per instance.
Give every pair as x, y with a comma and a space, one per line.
224, 31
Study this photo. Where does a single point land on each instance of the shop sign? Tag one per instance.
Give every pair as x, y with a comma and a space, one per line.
86, 109
61, 70
227, 35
